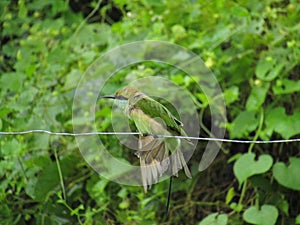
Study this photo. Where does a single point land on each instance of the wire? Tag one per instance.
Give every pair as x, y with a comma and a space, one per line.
159, 136
64, 133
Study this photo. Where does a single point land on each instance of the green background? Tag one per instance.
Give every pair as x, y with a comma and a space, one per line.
253, 48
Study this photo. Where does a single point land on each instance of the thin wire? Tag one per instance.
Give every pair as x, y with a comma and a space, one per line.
64, 133
159, 136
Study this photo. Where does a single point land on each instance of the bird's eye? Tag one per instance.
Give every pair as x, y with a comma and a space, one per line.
137, 96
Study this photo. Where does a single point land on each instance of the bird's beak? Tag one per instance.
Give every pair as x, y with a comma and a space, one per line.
120, 97
108, 96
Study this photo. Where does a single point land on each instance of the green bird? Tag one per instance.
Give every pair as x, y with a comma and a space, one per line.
153, 119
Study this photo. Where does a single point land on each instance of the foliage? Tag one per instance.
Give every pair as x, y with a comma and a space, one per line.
253, 48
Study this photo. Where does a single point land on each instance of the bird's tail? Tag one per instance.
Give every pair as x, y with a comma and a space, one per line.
153, 153
177, 160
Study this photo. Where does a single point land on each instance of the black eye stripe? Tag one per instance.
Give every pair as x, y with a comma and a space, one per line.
120, 97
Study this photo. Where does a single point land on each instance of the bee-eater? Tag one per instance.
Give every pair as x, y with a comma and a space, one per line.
153, 120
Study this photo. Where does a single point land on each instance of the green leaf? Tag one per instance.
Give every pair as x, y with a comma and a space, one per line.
124, 204
297, 220
239, 11
231, 94
257, 96
286, 86
247, 166
6, 214
286, 125
288, 176
98, 34
11, 148
178, 31
3, 5
11, 81
215, 219
243, 124
237, 207
268, 68
72, 79
24, 99
267, 215
230, 194
48, 181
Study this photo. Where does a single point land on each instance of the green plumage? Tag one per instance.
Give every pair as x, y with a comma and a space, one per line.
152, 118
154, 109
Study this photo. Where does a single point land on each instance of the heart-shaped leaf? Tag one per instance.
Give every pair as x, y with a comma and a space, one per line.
267, 215
215, 219
246, 166
288, 176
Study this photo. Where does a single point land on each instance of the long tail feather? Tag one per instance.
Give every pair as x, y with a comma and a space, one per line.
153, 153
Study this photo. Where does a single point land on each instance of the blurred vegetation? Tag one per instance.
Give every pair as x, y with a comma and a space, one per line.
253, 48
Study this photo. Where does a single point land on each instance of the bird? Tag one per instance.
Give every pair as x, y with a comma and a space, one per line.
153, 121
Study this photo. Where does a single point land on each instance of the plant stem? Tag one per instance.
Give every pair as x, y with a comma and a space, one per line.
261, 120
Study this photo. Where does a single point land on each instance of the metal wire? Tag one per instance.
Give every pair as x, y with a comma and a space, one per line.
159, 136
64, 133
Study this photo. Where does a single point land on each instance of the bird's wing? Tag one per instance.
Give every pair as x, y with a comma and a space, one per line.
156, 110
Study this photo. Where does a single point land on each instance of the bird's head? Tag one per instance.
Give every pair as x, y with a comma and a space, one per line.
125, 95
